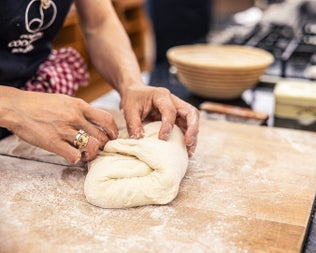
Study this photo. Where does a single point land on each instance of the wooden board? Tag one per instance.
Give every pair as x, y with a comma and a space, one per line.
247, 189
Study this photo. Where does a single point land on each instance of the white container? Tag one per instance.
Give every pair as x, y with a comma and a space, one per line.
295, 99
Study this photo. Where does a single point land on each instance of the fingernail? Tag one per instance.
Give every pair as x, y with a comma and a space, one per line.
191, 146
77, 161
76, 157
85, 156
191, 150
167, 133
165, 136
114, 135
137, 135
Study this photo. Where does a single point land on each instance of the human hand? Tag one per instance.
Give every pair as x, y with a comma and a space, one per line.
152, 103
51, 122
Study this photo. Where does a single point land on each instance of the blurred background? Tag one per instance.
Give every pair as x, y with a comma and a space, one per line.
180, 22
284, 28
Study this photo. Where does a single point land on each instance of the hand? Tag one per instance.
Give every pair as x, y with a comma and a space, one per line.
152, 103
51, 122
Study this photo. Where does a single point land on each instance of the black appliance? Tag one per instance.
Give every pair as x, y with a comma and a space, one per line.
288, 31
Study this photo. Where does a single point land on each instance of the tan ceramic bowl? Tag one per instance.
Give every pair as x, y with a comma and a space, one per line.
219, 71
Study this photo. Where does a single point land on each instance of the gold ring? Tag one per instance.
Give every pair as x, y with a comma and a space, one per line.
81, 139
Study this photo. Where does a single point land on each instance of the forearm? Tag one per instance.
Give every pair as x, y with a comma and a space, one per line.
8, 98
111, 53
110, 50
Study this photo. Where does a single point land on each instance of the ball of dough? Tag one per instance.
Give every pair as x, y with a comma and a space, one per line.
129, 172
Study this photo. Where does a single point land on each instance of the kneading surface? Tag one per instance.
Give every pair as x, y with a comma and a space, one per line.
130, 172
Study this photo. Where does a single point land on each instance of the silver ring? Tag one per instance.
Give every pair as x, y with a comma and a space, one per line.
81, 139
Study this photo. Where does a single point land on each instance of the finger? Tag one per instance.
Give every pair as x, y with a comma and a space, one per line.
91, 150
70, 153
103, 119
168, 116
191, 118
87, 153
191, 143
134, 123
97, 133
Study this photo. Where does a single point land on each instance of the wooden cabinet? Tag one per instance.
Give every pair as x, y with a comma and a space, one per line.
134, 19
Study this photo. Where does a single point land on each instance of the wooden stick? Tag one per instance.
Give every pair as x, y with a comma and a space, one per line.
230, 110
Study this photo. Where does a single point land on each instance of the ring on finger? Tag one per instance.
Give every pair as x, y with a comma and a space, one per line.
81, 139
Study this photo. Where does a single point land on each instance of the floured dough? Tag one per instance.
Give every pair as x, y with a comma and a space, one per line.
131, 173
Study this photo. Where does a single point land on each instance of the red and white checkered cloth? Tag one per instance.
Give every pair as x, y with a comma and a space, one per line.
63, 72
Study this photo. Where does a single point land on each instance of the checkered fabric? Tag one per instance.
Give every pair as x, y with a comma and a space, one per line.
63, 72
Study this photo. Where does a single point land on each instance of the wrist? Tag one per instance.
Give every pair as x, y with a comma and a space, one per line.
127, 85
8, 98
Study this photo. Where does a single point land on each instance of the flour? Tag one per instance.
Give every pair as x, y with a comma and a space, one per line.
231, 198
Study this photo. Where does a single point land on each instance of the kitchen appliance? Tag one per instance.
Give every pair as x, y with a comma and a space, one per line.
288, 31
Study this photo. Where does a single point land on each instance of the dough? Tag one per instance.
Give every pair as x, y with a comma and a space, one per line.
129, 173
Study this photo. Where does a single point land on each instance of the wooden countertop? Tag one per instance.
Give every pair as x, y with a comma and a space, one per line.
247, 189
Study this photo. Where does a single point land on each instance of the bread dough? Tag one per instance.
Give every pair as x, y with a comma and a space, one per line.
129, 172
